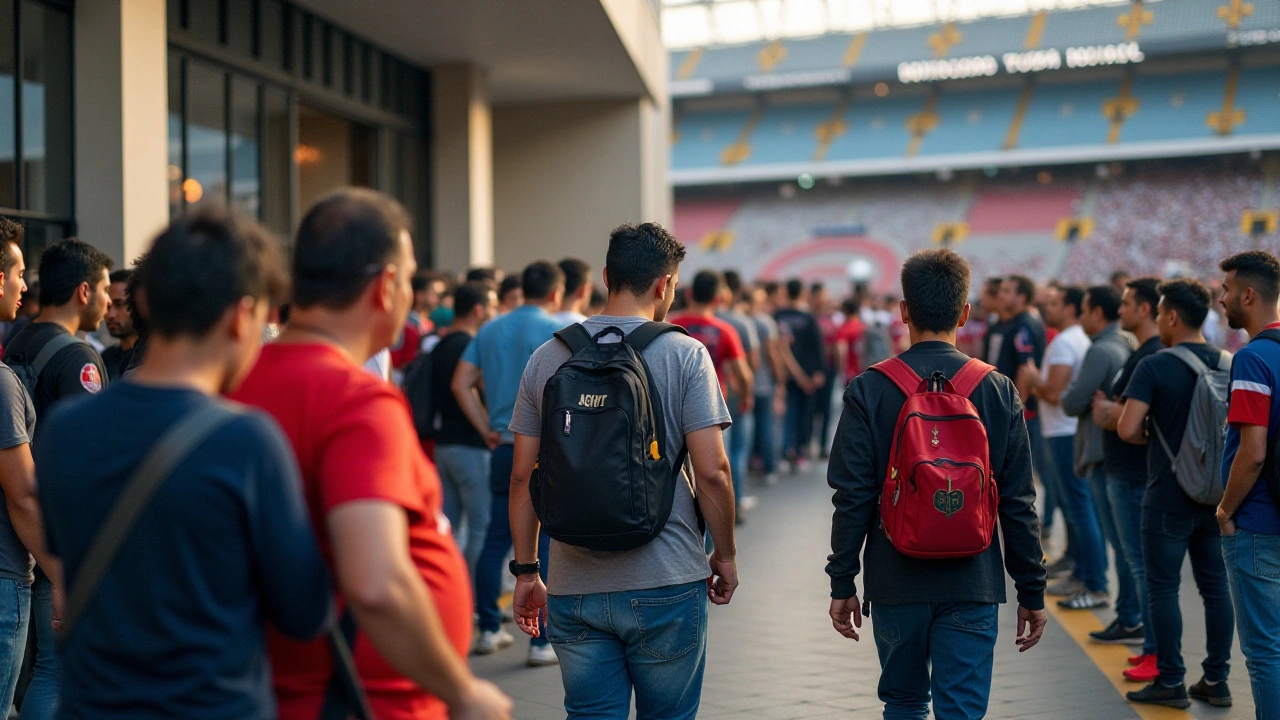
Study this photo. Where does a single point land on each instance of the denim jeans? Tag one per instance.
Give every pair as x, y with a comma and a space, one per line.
1253, 567
1166, 539
1043, 465
823, 410
941, 649
41, 700
797, 429
464, 473
1090, 550
1128, 603
1126, 507
652, 642
15, 608
763, 442
491, 564
738, 443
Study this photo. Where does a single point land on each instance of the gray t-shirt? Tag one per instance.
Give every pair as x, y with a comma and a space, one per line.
685, 381
17, 426
767, 330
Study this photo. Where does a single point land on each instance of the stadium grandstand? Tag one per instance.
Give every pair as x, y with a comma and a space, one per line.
1065, 142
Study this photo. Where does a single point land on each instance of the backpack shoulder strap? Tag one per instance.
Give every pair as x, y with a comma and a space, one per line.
575, 337
900, 373
970, 376
159, 463
51, 348
639, 338
1189, 358
1224, 361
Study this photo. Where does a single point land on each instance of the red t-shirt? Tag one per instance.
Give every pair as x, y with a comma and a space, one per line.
850, 333
354, 439
719, 337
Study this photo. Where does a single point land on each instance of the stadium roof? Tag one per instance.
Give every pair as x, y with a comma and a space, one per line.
702, 23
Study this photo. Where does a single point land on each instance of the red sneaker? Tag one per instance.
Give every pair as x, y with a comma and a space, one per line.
1137, 660
1145, 672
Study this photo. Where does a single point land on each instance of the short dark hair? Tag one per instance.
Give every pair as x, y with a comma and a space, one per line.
469, 296
131, 298
419, 283
1024, 286
639, 255
205, 262
121, 276
64, 265
992, 283
1073, 295
795, 288
482, 274
1257, 269
1117, 275
1106, 298
770, 287
733, 281
10, 234
342, 244
1146, 290
509, 283
576, 274
1187, 297
706, 286
935, 285
540, 279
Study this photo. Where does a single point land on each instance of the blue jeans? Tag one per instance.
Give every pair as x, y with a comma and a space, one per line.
1128, 604
1126, 508
1253, 568
941, 649
764, 443
1043, 465
1090, 550
1166, 539
464, 473
651, 641
15, 609
491, 565
41, 700
797, 428
738, 442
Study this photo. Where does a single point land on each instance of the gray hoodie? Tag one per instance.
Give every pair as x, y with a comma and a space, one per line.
1105, 358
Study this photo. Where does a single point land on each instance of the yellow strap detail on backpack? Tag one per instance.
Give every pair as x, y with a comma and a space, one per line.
653, 450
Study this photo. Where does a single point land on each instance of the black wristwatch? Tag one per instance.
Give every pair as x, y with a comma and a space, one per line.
519, 569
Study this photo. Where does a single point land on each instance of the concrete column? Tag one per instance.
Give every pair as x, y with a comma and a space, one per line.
122, 106
462, 168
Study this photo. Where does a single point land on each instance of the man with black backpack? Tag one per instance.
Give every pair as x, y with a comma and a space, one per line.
1183, 390
1249, 512
921, 483
606, 416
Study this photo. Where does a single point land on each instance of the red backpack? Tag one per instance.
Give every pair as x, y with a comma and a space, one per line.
939, 498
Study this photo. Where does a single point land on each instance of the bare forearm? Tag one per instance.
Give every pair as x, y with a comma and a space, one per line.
524, 522
24, 515
715, 499
1245, 468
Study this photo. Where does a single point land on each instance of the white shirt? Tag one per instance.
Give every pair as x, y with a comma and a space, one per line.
568, 317
380, 364
1068, 348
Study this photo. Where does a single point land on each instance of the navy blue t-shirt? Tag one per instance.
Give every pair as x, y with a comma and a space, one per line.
177, 626
1255, 374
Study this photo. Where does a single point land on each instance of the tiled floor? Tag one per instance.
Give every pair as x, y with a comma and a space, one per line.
773, 654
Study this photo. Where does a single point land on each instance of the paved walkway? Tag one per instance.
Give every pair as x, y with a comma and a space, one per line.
774, 656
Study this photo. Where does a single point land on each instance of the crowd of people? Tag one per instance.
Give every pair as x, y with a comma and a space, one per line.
296, 488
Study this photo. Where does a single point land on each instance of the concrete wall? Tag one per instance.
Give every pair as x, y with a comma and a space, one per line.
566, 174
461, 168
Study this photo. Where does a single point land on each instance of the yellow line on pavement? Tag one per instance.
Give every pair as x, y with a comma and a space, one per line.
1112, 660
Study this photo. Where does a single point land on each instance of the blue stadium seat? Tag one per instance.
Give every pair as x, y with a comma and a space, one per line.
788, 133
1067, 114
702, 136
1174, 107
877, 128
1258, 94
974, 121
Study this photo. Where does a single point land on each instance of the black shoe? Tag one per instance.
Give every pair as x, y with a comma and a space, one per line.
1117, 634
1217, 694
1157, 694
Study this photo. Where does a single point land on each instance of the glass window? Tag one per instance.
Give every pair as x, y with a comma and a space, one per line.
175, 169
310, 45
206, 96
245, 172
348, 63
277, 162
271, 40
409, 180
8, 101
240, 26
375, 77
361, 72
332, 56
174, 12
317, 59
38, 235
46, 109
204, 19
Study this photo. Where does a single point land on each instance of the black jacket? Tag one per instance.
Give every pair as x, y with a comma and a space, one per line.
859, 460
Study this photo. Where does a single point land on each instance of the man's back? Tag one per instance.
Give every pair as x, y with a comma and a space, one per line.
1068, 349
802, 330
74, 370
354, 440
1255, 400
501, 349
176, 627
454, 428
1016, 341
685, 382
719, 337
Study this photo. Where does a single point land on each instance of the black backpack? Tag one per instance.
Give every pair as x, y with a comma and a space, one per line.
418, 389
603, 480
28, 370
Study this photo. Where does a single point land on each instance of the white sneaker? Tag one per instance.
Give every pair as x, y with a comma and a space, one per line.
748, 503
491, 641
771, 479
542, 656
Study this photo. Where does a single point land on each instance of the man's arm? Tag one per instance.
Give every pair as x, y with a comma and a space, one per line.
467, 379
18, 481
395, 610
530, 603
1244, 473
1130, 425
715, 499
852, 475
1095, 373
1020, 528
1051, 388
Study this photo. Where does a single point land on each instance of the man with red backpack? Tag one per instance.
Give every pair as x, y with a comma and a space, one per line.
920, 482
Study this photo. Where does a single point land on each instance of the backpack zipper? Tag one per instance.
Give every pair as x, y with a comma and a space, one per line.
982, 485
931, 417
568, 422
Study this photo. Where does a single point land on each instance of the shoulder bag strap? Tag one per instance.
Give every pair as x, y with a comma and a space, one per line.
51, 348
900, 373
970, 376
1189, 358
640, 338
575, 337
345, 697
169, 451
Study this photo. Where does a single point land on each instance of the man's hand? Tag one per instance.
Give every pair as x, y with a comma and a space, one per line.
530, 604
1102, 409
482, 700
819, 380
492, 438
1028, 373
846, 616
723, 580
59, 602
1225, 523
1030, 627
780, 400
